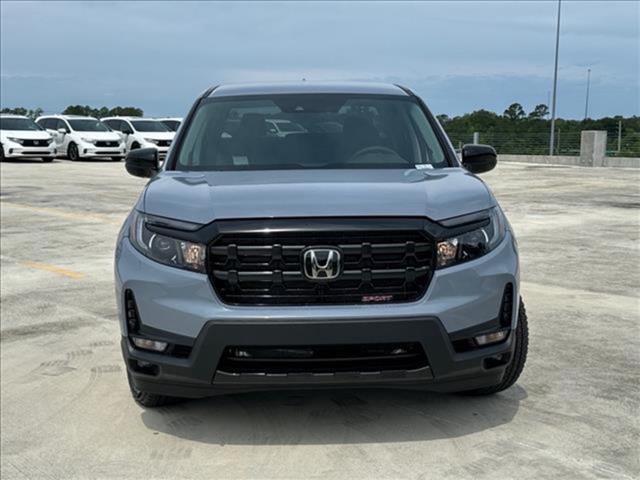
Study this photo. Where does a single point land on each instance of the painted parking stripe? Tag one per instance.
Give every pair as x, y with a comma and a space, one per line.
64, 272
75, 215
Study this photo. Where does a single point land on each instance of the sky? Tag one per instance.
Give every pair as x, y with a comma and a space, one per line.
458, 56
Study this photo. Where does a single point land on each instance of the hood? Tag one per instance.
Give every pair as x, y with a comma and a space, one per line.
107, 136
158, 135
26, 134
202, 197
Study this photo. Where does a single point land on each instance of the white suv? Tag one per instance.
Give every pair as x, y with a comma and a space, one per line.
20, 137
138, 132
79, 137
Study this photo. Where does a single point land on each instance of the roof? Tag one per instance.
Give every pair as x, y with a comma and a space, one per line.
68, 117
307, 87
113, 117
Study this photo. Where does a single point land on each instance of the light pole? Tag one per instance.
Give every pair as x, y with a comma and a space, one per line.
555, 86
586, 102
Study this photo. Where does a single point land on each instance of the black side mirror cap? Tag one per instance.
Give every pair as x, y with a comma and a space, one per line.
479, 158
142, 162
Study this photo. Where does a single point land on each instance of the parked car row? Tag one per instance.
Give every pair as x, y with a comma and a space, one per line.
79, 137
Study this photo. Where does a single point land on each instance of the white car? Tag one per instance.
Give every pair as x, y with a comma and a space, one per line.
79, 137
21, 137
139, 132
282, 128
172, 123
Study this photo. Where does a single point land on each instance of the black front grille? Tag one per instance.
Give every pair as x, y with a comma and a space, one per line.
266, 268
35, 143
164, 143
323, 358
104, 143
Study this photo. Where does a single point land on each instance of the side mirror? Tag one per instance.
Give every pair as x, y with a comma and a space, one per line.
127, 132
142, 162
62, 131
479, 158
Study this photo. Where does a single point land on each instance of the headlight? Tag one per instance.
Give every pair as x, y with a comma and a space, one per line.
88, 140
15, 140
167, 250
471, 245
151, 140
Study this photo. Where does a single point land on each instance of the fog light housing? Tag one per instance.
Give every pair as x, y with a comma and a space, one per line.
147, 344
489, 338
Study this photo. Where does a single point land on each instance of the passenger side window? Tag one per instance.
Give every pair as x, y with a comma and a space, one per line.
431, 151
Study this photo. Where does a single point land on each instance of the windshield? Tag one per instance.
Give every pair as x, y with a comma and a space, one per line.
171, 124
88, 125
16, 123
149, 126
313, 131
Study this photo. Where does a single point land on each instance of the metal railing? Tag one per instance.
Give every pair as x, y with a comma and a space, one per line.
565, 143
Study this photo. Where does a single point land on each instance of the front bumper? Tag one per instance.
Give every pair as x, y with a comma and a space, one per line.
12, 150
181, 307
90, 151
199, 375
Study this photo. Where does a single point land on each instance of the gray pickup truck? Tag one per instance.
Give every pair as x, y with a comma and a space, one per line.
357, 250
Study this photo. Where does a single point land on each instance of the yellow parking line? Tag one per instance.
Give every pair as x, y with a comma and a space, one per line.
54, 269
62, 213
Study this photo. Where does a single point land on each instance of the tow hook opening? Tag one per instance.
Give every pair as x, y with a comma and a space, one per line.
146, 368
496, 361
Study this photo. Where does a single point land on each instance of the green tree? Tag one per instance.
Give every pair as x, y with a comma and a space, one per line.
127, 111
15, 111
103, 111
541, 111
78, 110
514, 112
33, 114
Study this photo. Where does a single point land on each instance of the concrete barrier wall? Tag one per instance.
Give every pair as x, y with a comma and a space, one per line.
618, 162
593, 150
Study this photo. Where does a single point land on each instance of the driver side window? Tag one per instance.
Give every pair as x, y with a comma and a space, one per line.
61, 124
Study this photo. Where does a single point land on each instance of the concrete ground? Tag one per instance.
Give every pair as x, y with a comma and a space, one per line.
66, 410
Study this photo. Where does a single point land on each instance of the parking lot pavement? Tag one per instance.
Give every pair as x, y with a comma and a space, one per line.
66, 410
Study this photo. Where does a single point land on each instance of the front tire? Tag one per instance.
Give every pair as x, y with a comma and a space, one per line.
149, 400
514, 369
47, 159
2, 158
72, 152
116, 159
